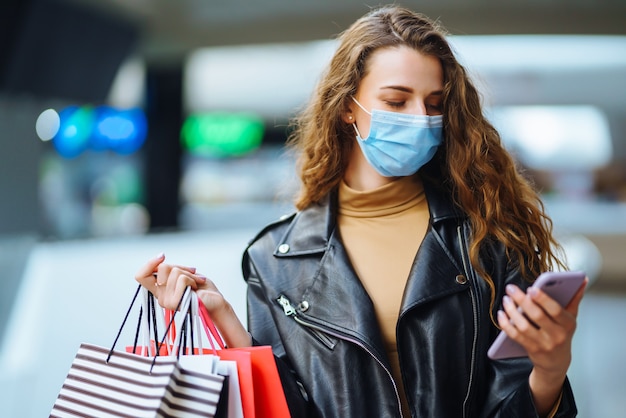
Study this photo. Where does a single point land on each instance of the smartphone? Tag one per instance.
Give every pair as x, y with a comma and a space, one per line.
560, 286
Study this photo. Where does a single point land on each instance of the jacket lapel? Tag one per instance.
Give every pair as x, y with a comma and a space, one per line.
435, 271
434, 274
327, 285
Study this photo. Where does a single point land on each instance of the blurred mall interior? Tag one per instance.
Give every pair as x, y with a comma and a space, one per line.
128, 128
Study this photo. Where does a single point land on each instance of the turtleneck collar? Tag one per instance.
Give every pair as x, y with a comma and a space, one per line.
392, 198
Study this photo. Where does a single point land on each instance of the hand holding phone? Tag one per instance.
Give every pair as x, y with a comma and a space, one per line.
560, 286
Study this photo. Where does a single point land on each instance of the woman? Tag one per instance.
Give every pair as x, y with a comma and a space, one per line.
414, 241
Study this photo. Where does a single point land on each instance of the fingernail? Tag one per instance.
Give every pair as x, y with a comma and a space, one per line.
532, 291
160, 255
511, 289
501, 316
201, 277
506, 301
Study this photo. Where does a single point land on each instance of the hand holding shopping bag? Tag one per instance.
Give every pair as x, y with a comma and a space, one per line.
172, 342
262, 393
104, 382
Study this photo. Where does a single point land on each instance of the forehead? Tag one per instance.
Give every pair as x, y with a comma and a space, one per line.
403, 65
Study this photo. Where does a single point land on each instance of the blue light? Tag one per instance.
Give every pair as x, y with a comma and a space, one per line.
121, 131
100, 129
74, 132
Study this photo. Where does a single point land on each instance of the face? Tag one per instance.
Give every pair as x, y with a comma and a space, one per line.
398, 79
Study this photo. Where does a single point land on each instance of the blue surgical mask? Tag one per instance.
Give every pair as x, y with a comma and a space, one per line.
399, 144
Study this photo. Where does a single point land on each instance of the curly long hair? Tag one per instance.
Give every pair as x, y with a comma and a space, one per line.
500, 203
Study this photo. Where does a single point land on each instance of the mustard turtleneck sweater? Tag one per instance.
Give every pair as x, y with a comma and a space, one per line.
382, 230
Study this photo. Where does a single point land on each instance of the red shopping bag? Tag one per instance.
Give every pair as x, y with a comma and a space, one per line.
262, 393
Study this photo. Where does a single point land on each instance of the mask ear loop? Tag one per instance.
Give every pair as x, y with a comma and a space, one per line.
357, 130
361, 106
354, 123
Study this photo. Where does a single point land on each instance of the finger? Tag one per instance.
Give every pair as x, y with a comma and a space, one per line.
557, 325
170, 294
515, 293
510, 329
541, 308
549, 323
181, 285
505, 325
191, 270
552, 308
144, 274
519, 297
517, 316
516, 325
165, 271
201, 280
574, 304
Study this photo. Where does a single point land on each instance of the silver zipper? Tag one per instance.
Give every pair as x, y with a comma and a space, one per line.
475, 318
290, 310
287, 306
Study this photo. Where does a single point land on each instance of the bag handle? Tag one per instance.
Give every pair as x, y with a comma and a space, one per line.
189, 304
209, 326
198, 320
181, 311
153, 322
119, 332
183, 308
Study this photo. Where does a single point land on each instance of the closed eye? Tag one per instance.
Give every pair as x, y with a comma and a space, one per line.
435, 107
395, 105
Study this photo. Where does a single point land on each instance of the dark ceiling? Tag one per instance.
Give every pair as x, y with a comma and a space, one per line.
170, 28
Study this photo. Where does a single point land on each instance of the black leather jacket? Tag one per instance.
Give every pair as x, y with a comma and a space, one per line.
305, 300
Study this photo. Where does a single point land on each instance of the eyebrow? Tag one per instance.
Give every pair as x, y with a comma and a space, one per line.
410, 90
400, 88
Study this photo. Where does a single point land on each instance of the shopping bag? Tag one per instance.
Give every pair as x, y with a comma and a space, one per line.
195, 389
262, 392
231, 395
171, 341
104, 382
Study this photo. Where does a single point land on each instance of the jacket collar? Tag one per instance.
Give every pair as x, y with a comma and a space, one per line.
309, 231
439, 192
304, 236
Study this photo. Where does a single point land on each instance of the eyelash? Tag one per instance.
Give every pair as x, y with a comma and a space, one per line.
397, 105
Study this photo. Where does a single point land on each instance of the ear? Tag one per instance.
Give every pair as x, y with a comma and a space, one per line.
348, 116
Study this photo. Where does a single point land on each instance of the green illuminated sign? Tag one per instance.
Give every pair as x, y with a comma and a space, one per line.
222, 134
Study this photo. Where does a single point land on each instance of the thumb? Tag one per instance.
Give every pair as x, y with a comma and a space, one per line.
572, 307
148, 269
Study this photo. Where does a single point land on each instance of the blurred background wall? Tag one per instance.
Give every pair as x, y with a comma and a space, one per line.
143, 125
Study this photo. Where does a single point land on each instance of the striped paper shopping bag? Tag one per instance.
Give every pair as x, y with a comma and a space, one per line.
129, 385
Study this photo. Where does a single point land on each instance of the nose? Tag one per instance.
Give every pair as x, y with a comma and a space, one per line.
423, 107
420, 108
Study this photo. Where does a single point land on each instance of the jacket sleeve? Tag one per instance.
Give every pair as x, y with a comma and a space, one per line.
508, 393
263, 329
518, 403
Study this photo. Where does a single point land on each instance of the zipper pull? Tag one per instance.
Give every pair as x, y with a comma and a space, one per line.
287, 306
